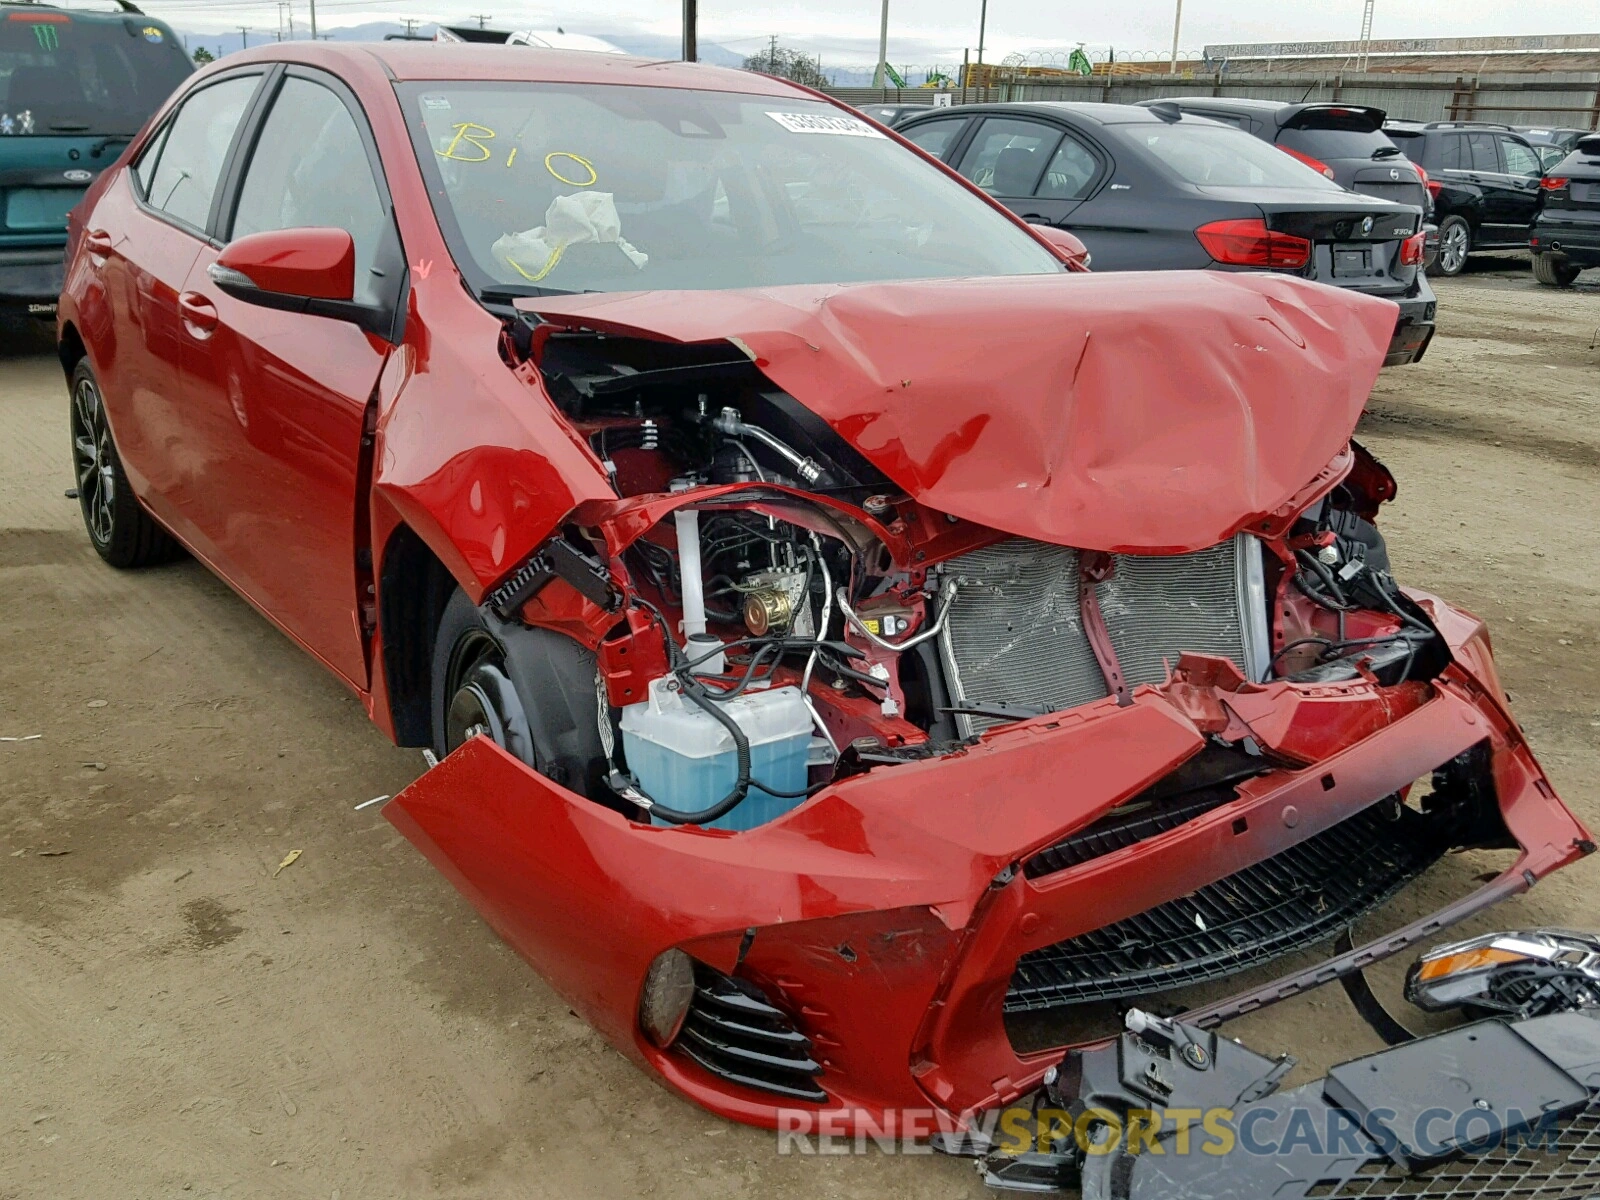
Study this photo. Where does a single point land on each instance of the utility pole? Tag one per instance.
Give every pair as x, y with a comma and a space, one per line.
772, 55
883, 47
313, 20
983, 20
691, 18
244, 36
1177, 24
482, 19
411, 25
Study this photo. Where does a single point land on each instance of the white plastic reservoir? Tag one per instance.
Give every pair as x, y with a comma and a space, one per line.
685, 759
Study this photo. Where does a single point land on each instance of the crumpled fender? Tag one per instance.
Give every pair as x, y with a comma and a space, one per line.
1156, 412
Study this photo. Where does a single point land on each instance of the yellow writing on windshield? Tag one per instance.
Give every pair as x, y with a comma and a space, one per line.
468, 143
567, 159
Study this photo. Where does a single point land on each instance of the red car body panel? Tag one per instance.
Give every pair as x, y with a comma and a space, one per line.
1156, 412
1159, 414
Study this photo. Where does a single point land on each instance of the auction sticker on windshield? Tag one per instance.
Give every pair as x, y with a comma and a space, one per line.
820, 123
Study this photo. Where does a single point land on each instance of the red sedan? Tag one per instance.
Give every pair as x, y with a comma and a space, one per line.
864, 653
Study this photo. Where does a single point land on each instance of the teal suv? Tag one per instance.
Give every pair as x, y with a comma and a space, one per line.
75, 86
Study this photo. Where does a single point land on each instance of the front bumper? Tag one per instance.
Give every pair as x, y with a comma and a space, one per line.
32, 276
887, 915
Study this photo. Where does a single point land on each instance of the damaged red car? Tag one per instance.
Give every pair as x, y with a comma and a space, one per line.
865, 653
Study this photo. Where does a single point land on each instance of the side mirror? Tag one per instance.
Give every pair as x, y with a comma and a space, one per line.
288, 264
1068, 247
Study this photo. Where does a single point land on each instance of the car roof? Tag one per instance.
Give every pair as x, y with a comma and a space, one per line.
424, 61
111, 12
1101, 114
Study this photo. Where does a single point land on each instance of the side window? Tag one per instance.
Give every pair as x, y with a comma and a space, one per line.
1450, 156
146, 166
936, 136
1071, 171
195, 148
1484, 157
1008, 156
310, 168
1520, 159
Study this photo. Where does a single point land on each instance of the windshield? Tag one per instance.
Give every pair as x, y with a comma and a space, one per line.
64, 75
561, 187
1216, 156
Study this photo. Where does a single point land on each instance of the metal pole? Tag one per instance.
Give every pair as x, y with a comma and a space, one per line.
1177, 24
313, 20
983, 20
244, 37
883, 47
691, 49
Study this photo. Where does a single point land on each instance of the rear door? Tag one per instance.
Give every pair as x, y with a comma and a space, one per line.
276, 402
1500, 201
1521, 173
139, 242
1035, 168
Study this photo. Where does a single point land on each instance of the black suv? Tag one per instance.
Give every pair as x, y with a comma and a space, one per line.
1342, 142
1565, 238
1485, 181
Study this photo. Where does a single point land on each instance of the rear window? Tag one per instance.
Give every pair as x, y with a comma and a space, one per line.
1214, 156
1324, 144
60, 74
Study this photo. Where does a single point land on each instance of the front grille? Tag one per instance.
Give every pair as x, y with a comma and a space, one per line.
1399, 192
1296, 898
1015, 633
1570, 1172
734, 1031
1118, 830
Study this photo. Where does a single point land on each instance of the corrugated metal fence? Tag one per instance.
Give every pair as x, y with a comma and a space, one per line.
1569, 99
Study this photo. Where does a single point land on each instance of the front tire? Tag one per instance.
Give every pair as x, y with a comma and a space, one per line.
1455, 243
120, 530
530, 691
1553, 270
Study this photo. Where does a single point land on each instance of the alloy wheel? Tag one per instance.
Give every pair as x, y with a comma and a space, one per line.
93, 462
1453, 250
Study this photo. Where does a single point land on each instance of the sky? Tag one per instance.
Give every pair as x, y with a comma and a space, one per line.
933, 31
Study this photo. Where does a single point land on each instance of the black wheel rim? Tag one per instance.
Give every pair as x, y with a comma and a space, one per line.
482, 698
92, 461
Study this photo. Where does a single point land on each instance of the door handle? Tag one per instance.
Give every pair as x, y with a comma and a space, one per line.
97, 244
199, 315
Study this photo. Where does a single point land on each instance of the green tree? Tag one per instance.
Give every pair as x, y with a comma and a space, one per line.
203, 56
788, 64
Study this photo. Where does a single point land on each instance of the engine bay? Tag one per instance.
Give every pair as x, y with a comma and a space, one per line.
771, 613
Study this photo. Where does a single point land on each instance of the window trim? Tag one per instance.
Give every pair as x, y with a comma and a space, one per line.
157, 142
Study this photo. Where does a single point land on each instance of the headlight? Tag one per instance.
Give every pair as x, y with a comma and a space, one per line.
668, 989
1523, 974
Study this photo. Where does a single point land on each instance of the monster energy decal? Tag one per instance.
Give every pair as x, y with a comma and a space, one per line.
45, 35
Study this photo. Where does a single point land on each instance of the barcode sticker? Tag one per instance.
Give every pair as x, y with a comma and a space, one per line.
839, 125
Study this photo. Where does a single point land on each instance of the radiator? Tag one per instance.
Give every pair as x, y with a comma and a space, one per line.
1015, 632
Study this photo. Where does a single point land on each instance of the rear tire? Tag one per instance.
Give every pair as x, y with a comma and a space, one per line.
1455, 243
120, 530
1553, 270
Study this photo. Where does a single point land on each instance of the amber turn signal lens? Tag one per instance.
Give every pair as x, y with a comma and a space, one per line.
1466, 960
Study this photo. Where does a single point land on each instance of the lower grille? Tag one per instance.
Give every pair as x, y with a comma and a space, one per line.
1015, 632
1569, 1171
1297, 898
734, 1032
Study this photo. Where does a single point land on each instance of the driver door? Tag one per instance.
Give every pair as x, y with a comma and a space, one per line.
278, 400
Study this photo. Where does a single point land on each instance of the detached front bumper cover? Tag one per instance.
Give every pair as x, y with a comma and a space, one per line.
1172, 1112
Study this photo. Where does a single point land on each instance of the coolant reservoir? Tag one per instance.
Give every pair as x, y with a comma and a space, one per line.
684, 758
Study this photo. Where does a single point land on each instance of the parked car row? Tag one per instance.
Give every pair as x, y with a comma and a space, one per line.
1150, 187
1477, 186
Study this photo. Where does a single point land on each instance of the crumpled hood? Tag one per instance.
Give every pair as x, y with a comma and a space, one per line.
1159, 412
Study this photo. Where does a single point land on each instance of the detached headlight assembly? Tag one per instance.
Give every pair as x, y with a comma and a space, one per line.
1524, 975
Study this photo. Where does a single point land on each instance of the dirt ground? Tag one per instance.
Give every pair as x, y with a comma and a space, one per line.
179, 1021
